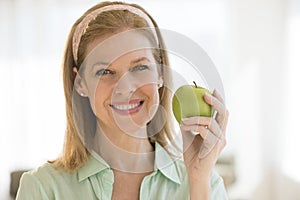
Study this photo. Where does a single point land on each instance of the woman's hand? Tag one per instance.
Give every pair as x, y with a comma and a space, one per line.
202, 150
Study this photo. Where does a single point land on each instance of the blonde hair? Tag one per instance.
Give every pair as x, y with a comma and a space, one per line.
75, 153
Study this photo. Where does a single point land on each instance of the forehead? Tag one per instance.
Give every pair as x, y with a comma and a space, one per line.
110, 47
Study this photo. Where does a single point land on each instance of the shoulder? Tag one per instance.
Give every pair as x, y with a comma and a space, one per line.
41, 183
48, 174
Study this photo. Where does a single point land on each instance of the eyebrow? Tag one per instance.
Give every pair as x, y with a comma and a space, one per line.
131, 63
139, 60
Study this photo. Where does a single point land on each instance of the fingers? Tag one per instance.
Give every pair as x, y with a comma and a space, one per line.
211, 145
210, 131
218, 96
209, 139
202, 125
198, 129
217, 102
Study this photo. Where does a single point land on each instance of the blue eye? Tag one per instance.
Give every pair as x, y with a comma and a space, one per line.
140, 68
102, 72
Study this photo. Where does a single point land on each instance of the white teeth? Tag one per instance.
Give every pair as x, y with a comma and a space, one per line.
126, 107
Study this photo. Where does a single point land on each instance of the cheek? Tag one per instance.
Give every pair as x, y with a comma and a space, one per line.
152, 93
101, 95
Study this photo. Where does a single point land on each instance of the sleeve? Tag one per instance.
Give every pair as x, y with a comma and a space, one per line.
30, 188
218, 190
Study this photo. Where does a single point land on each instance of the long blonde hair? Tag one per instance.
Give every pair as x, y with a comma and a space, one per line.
75, 153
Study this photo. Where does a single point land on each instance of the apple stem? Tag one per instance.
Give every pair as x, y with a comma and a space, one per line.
195, 84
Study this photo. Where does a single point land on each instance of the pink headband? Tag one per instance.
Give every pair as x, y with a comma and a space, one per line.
83, 25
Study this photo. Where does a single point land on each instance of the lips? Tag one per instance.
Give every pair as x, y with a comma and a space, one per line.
125, 108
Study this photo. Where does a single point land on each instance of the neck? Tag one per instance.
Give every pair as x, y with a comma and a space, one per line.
125, 152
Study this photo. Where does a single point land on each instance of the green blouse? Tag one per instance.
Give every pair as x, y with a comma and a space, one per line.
95, 181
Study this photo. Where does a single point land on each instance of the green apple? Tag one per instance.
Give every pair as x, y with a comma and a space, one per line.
188, 101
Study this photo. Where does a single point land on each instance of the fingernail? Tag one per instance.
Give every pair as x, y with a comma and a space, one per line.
207, 96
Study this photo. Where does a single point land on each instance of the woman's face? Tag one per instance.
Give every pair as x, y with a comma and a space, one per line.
122, 80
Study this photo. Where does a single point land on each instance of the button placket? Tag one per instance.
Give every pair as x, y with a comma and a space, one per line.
107, 180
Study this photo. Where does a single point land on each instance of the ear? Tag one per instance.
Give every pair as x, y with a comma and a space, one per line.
160, 81
79, 84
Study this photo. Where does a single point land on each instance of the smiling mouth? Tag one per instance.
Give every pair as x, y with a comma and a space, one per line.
128, 108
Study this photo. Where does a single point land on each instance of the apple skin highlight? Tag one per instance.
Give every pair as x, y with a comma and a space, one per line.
188, 101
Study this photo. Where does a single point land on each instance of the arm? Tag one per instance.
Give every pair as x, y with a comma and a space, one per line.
202, 150
208, 189
199, 190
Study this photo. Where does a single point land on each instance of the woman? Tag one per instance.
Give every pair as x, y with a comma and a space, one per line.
116, 84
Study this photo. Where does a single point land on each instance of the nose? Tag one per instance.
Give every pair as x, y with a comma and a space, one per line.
126, 85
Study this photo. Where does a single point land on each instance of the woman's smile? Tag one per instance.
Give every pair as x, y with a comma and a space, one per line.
127, 107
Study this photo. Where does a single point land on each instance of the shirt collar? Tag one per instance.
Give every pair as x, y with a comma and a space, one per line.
94, 165
163, 163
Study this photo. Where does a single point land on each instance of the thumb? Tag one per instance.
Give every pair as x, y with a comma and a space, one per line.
208, 144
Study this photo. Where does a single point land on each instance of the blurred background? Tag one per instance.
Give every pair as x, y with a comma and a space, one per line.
254, 44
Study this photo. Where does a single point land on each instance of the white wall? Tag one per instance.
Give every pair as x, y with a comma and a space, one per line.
261, 98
